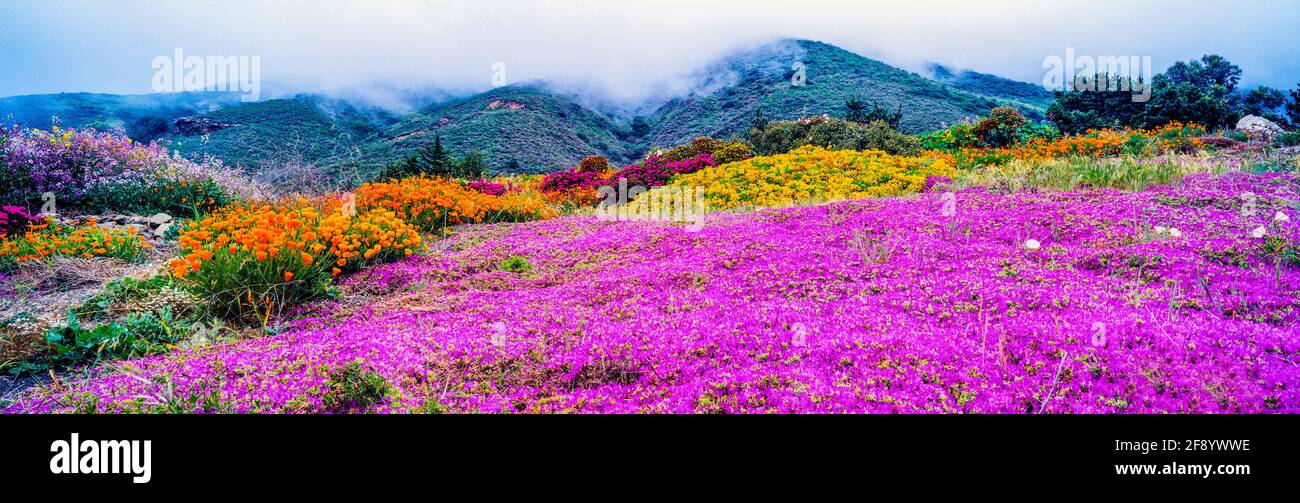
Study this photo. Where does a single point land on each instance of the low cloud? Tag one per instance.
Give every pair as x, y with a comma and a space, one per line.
623, 50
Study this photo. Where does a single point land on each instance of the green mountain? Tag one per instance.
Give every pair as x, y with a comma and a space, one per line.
530, 127
143, 116
520, 128
305, 130
1028, 97
766, 78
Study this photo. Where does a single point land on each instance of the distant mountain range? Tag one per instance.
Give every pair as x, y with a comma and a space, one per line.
533, 127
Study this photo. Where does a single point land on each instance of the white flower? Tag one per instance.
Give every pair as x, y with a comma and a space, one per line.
1280, 217
1160, 229
1258, 232
1033, 244
1173, 231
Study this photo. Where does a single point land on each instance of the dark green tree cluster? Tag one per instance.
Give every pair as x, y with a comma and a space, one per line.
779, 137
1203, 91
856, 111
435, 161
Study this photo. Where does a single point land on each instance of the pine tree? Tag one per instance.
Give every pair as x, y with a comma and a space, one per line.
857, 110
472, 166
760, 122
434, 160
1293, 108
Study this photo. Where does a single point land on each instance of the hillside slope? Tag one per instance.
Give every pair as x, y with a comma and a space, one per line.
304, 130
738, 85
1031, 98
142, 116
521, 129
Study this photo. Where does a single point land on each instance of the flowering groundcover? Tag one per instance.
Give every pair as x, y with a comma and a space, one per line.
1156, 301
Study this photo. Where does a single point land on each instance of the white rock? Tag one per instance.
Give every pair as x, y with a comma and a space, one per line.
1281, 217
1173, 231
159, 219
1258, 232
1033, 244
1160, 229
1258, 125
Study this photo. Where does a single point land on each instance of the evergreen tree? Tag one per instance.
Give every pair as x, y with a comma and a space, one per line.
1265, 102
434, 160
857, 110
472, 166
1293, 108
760, 122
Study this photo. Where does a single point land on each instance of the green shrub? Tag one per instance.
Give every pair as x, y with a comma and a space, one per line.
147, 197
1001, 127
722, 151
780, 137
517, 265
1287, 139
138, 335
349, 388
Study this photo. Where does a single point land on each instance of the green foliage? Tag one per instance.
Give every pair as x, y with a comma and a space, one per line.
1196, 91
269, 135
435, 161
472, 166
722, 151
138, 335
348, 388
1287, 139
191, 198
762, 83
128, 318
837, 134
857, 112
1265, 102
1293, 108
1076, 173
760, 121
517, 128
143, 117
517, 265
1001, 127
1030, 98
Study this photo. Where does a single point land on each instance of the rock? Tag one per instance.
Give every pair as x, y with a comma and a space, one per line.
1259, 125
159, 219
197, 126
162, 229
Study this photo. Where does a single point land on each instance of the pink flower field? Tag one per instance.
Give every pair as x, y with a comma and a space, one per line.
1164, 300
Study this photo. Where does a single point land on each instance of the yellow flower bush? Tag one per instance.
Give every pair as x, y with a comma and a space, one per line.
814, 174
250, 259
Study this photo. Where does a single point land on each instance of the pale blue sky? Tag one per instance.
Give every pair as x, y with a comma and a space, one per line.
627, 48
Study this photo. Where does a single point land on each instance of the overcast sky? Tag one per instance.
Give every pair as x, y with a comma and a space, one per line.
624, 47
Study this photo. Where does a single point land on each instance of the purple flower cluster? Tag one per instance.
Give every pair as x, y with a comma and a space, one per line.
652, 172
1023, 303
489, 188
68, 162
14, 220
655, 171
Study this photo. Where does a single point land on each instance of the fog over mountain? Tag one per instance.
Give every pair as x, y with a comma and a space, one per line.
623, 51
